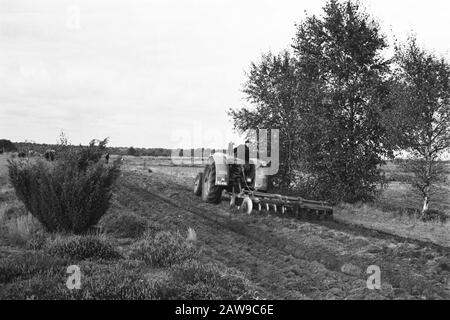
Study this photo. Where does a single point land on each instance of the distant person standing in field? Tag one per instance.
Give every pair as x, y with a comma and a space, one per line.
107, 157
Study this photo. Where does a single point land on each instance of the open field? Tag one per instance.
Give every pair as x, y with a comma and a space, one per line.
390, 213
282, 258
399, 194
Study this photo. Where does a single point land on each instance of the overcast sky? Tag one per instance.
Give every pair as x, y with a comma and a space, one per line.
146, 73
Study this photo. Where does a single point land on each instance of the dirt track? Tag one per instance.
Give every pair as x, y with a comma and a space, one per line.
287, 258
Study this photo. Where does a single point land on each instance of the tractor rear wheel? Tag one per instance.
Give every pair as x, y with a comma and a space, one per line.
210, 192
198, 184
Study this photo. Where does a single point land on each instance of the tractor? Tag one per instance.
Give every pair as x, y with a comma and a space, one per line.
246, 183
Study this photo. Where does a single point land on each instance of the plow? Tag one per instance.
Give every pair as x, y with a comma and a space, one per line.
245, 183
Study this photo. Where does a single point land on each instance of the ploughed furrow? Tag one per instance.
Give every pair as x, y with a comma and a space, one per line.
289, 258
280, 276
182, 189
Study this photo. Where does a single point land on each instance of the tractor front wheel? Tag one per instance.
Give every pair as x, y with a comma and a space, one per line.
198, 184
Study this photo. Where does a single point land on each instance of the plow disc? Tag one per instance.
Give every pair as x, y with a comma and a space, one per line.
282, 205
248, 199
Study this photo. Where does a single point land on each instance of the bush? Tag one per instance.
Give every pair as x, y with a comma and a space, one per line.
132, 152
7, 146
113, 282
23, 231
434, 215
195, 280
64, 196
42, 285
164, 249
116, 282
39, 276
83, 156
26, 265
125, 225
82, 247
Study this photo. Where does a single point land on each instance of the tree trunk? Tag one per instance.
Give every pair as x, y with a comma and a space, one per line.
426, 200
426, 190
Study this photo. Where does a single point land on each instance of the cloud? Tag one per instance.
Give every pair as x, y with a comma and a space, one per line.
137, 71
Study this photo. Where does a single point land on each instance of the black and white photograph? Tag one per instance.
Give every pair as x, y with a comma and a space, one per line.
224, 155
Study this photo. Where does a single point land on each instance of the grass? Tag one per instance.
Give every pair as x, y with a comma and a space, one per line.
395, 210
400, 195
79, 248
162, 165
32, 269
19, 228
47, 278
27, 264
153, 265
163, 250
41, 274
402, 223
23, 231
124, 225
33, 264
193, 280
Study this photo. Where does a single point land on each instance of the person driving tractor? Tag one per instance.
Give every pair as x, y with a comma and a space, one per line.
238, 153
241, 169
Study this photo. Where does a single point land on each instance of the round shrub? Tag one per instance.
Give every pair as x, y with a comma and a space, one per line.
64, 195
125, 225
164, 249
83, 247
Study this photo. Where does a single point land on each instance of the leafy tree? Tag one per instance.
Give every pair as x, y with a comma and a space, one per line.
7, 145
342, 55
273, 88
132, 151
420, 121
326, 98
92, 153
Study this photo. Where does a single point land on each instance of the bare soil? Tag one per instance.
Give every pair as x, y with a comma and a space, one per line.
284, 257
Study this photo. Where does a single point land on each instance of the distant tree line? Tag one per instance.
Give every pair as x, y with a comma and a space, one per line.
7, 146
42, 147
151, 152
